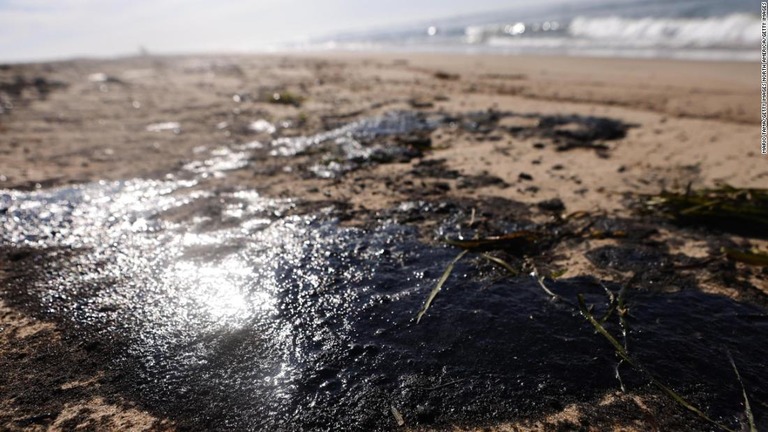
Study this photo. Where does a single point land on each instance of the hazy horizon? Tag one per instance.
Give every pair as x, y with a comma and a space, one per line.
32, 30
40, 30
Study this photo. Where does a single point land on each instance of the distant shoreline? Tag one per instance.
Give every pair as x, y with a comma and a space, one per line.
717, 56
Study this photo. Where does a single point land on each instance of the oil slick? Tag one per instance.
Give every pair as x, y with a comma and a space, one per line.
278, 318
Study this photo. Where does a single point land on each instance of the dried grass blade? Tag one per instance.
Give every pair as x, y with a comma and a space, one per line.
439, 285
747, 407
624, 355
502, 263
396, 414
749, 257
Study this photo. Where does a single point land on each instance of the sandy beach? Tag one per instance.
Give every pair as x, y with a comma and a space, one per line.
542, 137
686, 116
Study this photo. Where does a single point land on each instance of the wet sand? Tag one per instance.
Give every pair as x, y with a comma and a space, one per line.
502, 131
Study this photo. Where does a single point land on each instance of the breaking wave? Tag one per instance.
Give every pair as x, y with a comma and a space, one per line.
732, 31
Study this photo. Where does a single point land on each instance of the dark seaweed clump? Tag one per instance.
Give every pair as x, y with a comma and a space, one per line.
729, 209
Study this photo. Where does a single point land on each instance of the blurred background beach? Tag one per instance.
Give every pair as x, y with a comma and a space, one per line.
690, 29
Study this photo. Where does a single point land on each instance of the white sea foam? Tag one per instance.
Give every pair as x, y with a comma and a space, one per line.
689, 29
732, 31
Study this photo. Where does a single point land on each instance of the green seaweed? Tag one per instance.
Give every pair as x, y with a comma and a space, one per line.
740, 211
285, 98
755, 258
556, 274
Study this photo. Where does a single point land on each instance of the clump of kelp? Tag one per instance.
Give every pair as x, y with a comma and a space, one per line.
705, 207
740, 211
725, 208
273, 96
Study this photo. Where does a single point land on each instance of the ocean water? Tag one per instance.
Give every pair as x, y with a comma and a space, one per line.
700, 29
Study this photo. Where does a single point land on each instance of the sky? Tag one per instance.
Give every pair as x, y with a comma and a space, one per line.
56, 29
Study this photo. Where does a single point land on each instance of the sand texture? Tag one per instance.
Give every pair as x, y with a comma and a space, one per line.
523, 131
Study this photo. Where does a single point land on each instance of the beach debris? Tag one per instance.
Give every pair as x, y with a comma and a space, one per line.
581, 129
569, 132
644, 262
617, 306
621, 351
22, 87
747, 407
741, 211
515, 250
554, 205
518, 243
285, 97
432, 294
396, 414
443, 75
751, 257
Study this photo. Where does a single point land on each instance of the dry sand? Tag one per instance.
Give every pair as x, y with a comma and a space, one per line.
692, 123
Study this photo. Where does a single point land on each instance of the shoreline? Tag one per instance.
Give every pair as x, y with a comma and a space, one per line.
721, 92
708, 122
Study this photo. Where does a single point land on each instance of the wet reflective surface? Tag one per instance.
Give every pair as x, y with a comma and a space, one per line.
363, 143
401, 136
394, 123
222, 309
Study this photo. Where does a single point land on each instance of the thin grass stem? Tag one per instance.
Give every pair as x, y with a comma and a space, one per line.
439, 285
